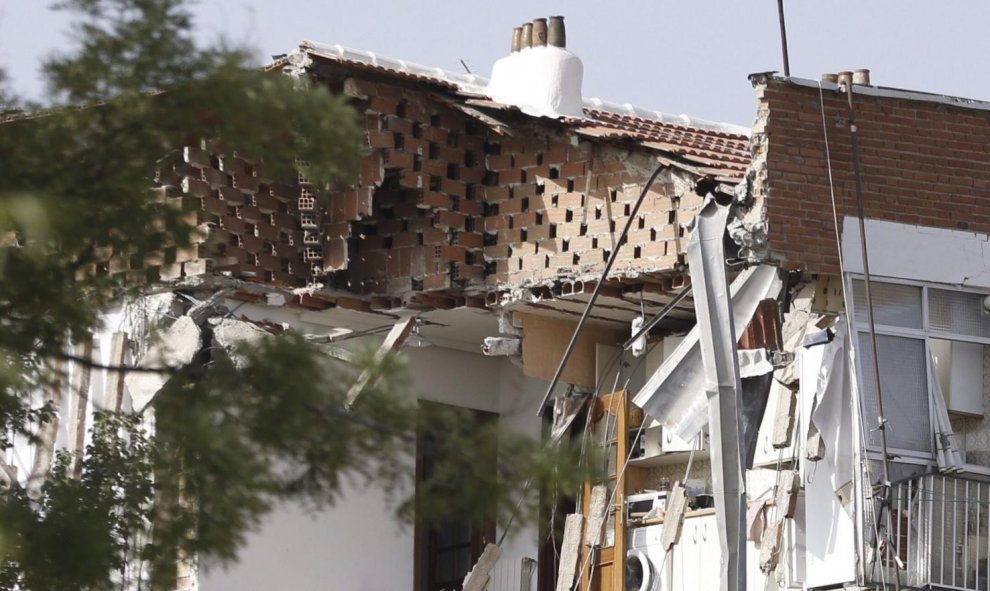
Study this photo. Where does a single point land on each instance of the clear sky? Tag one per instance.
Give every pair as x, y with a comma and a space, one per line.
676, 56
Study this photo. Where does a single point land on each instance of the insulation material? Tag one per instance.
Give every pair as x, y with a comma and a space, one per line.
675, 393
831, 413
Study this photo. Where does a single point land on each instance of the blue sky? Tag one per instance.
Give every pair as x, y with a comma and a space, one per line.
677, 56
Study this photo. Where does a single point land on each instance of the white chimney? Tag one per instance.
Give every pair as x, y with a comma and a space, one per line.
540, 79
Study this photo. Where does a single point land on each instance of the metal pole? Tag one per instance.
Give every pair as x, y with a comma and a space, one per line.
598, 288
881, 420
783, 38
706, 261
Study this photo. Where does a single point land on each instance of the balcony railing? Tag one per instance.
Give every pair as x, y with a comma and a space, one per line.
939, 534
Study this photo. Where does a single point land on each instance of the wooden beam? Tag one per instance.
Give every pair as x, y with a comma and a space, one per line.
393, 342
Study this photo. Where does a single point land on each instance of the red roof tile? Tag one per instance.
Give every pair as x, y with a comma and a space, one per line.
718, 150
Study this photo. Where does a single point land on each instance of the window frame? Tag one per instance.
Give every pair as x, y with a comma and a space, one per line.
924, 333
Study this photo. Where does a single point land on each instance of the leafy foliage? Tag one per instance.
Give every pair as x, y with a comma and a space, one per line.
230, 439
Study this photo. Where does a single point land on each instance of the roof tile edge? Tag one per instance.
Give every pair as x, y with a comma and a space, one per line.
475, 85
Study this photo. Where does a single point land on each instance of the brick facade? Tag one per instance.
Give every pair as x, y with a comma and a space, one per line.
922, 161
446, 201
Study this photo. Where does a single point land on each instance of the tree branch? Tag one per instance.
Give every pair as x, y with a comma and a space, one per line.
118, 368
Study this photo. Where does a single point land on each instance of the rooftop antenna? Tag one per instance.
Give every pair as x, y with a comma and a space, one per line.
783, 38
466, 68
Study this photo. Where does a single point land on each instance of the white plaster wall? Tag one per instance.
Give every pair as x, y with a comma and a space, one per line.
923, 253
357, 545
519, 401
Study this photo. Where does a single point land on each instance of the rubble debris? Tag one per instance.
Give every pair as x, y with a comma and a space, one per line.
478, 577
569, 551
770, 547
787, 493
502, 346
393, 342
673, 520
174, 347
676, 390
229, 334
596, 515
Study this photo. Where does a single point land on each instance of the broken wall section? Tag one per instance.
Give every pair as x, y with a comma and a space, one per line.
923, 162
459, 201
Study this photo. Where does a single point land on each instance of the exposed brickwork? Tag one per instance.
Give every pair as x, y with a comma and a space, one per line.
252, 228
444, 202
922, 163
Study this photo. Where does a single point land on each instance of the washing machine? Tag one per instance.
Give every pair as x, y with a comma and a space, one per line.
645, 560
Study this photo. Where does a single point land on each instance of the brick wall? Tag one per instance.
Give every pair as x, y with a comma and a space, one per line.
456, 204
922, 163
444, 201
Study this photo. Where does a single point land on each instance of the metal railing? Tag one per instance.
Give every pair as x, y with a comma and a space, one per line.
939, 534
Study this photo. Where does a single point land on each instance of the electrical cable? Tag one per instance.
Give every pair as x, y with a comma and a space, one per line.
647, 327
598, 287
846, 303
881, 418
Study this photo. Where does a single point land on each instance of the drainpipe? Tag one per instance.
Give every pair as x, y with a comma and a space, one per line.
706, 260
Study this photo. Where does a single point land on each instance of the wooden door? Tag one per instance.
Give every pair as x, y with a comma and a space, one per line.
605, 564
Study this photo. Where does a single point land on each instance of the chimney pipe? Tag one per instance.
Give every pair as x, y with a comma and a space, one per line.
557, 36
516, 39
861, 77
539, 32
845, 79
526, 39
833, 78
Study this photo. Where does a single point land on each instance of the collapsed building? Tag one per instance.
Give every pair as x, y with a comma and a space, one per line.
632, 271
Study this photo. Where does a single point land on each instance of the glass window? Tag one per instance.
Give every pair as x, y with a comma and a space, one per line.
904, 383
893, 304
957, 312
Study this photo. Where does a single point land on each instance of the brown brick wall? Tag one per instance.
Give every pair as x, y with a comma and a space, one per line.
442, 202
922, 163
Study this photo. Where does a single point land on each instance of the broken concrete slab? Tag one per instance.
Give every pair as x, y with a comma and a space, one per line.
569, 551
478, 577
502, 346
596, 515
230, 334
174, 347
